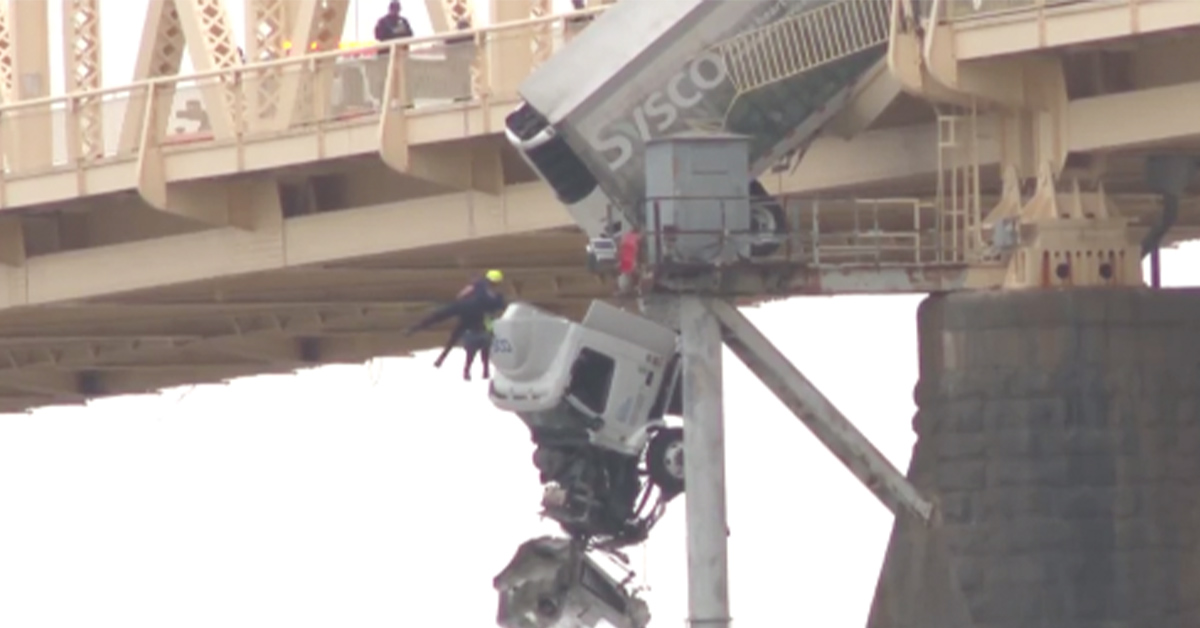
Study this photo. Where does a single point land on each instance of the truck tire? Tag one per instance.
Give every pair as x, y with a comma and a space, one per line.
767, 218
664, 461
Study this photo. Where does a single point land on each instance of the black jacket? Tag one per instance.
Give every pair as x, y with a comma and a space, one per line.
389, 28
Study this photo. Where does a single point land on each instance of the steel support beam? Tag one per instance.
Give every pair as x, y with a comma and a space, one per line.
1040, 28
1163, 114
7, 88
268, 26
160, 54
246, 204
303, 94
450, 15
871, 98
327, 237
82, 70
880, 157
897, 154
30, 129
541, 40
12, 242
58, 384
478, 167
704, 465
209, 36
817, 413
510, 56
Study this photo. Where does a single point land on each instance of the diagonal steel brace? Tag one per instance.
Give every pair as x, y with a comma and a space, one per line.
817, 413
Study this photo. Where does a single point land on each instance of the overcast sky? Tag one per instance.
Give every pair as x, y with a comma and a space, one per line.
390, 494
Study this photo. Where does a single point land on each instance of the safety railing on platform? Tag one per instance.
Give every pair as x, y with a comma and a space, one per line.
960, 9
804, 42
294, 93
806, 231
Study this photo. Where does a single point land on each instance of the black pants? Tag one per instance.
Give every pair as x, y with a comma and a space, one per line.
477, 342
464, 326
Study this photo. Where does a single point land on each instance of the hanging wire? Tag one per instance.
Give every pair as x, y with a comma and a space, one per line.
184, 395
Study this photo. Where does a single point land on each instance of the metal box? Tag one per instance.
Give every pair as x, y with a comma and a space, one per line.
697, 199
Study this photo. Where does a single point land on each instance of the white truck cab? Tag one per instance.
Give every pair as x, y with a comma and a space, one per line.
594, 395
609, 372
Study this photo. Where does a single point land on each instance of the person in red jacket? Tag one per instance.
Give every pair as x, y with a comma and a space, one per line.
627, 260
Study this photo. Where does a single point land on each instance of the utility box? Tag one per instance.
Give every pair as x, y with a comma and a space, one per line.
697, 201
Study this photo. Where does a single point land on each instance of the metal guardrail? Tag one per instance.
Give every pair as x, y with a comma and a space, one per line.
819, 233
441, 70
967, 9
804, 42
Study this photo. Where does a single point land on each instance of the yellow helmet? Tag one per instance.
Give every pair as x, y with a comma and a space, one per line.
495, 276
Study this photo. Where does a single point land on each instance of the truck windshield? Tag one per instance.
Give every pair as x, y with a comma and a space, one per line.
591, 379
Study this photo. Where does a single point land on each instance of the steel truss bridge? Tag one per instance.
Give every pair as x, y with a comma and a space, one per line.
288, 206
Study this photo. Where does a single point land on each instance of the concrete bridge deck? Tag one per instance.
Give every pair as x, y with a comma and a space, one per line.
197, 233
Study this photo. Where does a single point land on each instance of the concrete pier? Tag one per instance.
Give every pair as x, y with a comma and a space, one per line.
1059, 432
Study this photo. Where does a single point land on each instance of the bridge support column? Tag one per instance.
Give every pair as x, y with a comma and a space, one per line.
704, 466
1060, 433
511, 52
28, 132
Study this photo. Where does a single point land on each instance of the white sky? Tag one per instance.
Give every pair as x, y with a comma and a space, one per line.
391, 494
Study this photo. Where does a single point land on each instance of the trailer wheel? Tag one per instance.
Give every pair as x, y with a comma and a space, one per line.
664, 460
767, 221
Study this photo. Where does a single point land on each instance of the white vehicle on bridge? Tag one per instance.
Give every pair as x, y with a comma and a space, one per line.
594, 395
591, 108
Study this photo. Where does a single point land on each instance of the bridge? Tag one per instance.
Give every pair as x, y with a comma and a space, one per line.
288, 206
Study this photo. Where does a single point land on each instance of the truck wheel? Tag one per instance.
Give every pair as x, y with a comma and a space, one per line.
767, 221
664, 460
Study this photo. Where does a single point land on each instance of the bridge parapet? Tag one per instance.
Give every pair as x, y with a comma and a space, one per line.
302, 93
982, 8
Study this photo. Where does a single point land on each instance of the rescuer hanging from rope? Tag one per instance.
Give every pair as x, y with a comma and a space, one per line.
473, 303
478, 342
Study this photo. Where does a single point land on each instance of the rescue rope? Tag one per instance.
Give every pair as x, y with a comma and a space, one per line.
184, 395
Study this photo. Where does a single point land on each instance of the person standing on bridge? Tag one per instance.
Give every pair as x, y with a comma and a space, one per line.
392, 26
471, 306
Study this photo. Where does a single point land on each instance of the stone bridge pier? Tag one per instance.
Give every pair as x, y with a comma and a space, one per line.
1059, 432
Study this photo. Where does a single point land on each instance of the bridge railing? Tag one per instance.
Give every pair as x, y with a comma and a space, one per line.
967, 9
293, 94
817, 233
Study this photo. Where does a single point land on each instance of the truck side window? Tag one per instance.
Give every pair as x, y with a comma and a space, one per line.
591, 378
